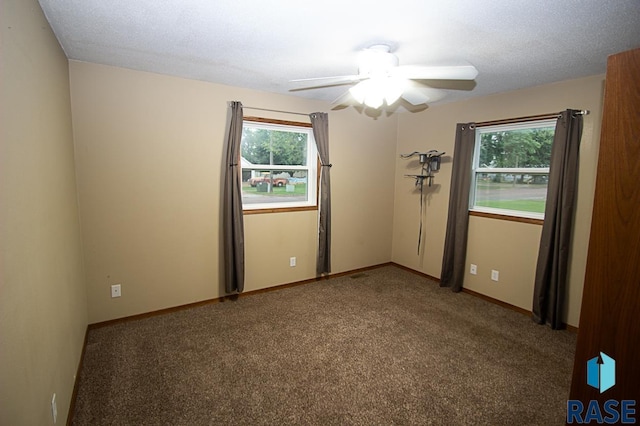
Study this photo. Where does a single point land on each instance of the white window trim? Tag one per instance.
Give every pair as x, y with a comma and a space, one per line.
312, 168
524, 170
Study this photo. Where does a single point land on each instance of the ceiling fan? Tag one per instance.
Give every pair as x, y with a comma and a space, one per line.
381, 80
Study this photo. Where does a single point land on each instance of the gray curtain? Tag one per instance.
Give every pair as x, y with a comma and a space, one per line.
455, 244
320, 123
551, 271
233, 222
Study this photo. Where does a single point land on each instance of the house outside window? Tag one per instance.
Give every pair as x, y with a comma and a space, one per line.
511, 168
279, 166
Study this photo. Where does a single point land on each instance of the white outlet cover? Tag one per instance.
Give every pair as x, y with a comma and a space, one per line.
473, 269
116, 290
495, 275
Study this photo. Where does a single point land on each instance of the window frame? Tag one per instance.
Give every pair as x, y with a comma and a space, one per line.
313, 166
499, 213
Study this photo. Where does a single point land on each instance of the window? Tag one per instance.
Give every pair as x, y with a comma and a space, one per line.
511, 168
279, 165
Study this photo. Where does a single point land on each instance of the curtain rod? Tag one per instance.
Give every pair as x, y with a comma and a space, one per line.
527, 118
275, 110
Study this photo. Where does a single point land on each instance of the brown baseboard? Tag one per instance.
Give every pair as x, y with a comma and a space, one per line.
152, 313
413, 271
482, 296
496, 301
74, 394
231, 297
571, 328
512, 307
307, 281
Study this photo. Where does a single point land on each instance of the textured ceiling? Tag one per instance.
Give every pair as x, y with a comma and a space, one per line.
262, 45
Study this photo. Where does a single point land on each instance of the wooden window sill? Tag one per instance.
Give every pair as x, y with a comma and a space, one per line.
507, 217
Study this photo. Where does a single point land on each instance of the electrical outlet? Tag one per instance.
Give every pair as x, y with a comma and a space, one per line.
495, 275
292, 261
54, 408
473, 269
116, 290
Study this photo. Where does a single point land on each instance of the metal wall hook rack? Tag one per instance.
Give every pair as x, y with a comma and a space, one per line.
429, 162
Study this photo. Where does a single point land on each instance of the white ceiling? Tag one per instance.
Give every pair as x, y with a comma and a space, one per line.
262, 44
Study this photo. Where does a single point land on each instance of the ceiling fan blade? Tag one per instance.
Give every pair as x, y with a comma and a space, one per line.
309, 83
344, 99
419, 72
417, 94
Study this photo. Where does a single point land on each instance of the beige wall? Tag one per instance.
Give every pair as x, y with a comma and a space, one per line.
149, 149
148, 160
43, 311
508, 247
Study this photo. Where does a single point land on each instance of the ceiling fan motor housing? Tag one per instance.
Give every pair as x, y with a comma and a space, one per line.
376, 61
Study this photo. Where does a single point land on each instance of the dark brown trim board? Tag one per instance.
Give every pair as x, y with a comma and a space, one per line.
231, 297
481, 296
74, 393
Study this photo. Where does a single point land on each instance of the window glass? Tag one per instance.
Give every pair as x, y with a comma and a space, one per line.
279, 166
511, 168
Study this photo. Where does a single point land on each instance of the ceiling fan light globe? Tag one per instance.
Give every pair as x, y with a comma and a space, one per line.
393, 89
359, 91
374, 100
391, 98
376, 92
